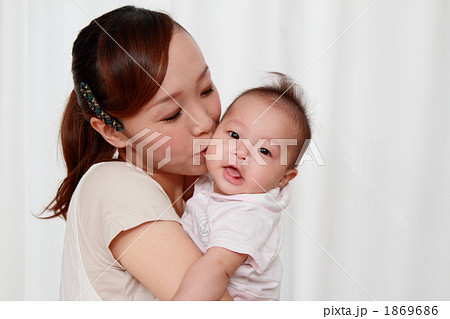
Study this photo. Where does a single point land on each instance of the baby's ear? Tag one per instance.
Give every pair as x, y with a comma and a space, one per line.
288, 176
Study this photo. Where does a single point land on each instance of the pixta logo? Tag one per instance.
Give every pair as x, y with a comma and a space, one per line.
309, 151
144, 147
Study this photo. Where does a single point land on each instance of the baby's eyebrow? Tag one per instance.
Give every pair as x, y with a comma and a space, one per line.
236, 122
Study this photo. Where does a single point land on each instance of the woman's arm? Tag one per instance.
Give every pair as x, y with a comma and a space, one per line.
158, 254
208, 277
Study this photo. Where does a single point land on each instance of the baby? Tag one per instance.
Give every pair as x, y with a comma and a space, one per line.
234, 216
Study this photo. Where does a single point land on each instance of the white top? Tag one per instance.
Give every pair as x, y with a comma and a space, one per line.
111, 197
245, 223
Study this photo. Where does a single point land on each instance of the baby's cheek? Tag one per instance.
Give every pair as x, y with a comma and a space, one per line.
219, 148
212, 149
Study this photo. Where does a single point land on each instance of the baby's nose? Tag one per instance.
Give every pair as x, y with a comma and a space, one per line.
241, 151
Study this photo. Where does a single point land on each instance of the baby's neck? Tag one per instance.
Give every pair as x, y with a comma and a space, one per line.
219, 191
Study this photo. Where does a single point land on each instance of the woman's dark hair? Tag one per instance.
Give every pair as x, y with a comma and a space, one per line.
119, 55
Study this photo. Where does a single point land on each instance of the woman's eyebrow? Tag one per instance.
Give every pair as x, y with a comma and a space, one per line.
202, 74
166, 98
169, 96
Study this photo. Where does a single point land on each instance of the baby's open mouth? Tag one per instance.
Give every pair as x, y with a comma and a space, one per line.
233, 174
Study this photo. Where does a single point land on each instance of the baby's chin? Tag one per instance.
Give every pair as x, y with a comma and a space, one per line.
229, 193
241, 189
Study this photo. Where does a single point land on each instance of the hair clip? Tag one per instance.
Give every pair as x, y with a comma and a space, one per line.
102, 115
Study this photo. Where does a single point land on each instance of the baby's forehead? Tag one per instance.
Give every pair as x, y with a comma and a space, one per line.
257, 96
272, 124
259, 105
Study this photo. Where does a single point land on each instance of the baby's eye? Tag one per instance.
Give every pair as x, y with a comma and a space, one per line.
265, 151
233, 134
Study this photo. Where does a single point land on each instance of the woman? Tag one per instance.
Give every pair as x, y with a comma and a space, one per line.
135, 72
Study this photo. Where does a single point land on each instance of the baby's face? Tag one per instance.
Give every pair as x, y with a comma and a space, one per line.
252, 160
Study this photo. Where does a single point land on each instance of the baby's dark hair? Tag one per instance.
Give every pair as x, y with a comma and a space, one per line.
282, 92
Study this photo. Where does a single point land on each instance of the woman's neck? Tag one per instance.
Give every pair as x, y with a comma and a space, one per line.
173, 186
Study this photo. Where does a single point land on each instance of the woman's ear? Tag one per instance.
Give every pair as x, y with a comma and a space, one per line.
288, 176
115, 138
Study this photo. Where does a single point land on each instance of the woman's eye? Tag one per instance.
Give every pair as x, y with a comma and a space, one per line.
208, 91
265, 151
233, 134
173, 117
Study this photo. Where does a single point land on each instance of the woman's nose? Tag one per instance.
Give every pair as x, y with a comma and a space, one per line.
202, 123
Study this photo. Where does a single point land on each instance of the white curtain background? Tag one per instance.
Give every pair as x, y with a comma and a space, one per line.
370, 221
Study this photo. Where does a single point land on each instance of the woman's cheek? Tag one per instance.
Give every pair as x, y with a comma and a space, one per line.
179, 147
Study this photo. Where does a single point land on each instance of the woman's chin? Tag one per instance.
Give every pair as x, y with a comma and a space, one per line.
197, 170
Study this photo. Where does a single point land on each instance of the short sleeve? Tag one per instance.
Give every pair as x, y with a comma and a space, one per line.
119, 197
246, 231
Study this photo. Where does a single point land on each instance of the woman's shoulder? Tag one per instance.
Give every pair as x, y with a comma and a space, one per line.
115, 191
115, 169
119, 177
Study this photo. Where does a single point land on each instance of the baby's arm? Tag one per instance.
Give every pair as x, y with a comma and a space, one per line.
207, 278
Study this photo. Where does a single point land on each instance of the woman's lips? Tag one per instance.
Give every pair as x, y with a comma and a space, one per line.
201, 154
232, 175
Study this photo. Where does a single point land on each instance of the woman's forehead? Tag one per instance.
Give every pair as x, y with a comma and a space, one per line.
185, 57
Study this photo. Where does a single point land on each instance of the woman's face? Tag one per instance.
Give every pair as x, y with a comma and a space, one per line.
186, 108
